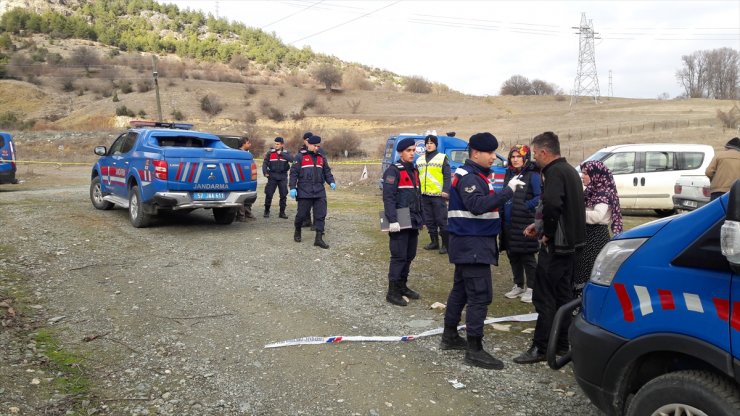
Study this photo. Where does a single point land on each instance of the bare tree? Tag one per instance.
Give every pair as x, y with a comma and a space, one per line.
417, 84
540, 87
710, 74
516, 85
85, 57
239, 62
328, 75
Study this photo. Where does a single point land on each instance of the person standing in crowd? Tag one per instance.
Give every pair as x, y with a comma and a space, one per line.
724, 169
602, 209
561, 232
434, 173
244, 212
473, 225
307, 177
401, 190
303, 150
518, 214
275, 167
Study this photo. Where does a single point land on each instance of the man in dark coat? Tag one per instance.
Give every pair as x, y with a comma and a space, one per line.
562, 232
307, 177
474, 224
401, 190
275, 167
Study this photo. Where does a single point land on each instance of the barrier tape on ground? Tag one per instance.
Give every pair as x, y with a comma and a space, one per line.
360, 338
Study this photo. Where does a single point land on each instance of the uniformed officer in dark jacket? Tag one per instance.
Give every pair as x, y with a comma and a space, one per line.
473, 224
307, 177
401, 190
275, 168
307, 222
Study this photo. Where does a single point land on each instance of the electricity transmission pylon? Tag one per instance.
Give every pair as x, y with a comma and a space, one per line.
587, 81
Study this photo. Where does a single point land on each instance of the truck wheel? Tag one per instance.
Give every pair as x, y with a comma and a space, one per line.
136, 214
691, 392
96, 195
224, 216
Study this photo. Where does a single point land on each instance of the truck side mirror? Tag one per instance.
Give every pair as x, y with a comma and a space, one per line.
100, 150
730, 233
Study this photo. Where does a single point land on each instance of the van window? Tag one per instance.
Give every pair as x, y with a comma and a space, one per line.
459, 156
658, 161
388, 155
620, 163
2, 141
690, 160
129, 142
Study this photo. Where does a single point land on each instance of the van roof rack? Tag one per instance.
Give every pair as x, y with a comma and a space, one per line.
161, 124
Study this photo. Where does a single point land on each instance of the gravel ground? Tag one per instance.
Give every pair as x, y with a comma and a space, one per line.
173, 319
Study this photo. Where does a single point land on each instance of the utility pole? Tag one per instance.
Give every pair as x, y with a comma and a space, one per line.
611, 89
156, 87
587, 81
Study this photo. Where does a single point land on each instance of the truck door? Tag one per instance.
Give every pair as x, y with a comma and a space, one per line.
624, 167
114, 166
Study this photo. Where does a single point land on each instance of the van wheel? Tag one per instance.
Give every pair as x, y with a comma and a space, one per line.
96, 195
136, 214
665, 212
692, 392
224, 216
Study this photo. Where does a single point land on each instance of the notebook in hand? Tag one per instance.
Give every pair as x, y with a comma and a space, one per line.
404, 219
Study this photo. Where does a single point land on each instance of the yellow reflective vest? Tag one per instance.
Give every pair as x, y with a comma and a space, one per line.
430, 174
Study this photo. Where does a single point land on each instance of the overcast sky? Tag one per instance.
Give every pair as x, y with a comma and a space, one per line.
474, 46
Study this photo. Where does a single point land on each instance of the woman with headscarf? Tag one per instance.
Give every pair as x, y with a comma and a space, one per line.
518, 214
602, 211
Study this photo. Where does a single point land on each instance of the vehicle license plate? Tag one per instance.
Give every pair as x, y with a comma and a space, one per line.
691, 204
209, 196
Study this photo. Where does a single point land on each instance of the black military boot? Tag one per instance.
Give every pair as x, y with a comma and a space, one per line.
319, 241
476, 356
282, 214
297, 235
445, 239
267, 213
405, 291
307, 222
434, 245
394, 295
451, 339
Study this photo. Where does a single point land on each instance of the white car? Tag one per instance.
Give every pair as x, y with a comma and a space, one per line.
690, 192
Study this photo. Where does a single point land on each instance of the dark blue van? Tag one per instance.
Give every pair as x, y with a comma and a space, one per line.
7, 159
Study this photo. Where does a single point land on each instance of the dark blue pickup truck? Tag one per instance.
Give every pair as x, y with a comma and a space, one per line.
157, 167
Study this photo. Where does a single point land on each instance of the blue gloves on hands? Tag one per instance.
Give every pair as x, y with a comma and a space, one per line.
293, 193
333, 186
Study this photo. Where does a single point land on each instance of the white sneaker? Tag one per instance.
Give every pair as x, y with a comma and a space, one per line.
527, 296
515, 292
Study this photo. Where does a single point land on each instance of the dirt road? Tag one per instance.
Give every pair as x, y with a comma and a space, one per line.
173, 319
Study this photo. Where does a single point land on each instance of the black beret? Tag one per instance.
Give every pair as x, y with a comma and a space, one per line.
485, 142
314, 140
405, 143
279, 140
307, 134
431, 138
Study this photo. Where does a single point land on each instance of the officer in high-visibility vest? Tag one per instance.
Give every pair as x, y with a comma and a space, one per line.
434, 174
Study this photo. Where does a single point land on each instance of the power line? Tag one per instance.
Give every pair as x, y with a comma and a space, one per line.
292, 14
346, 22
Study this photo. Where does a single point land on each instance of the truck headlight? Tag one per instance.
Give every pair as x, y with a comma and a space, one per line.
610, 259
730, 241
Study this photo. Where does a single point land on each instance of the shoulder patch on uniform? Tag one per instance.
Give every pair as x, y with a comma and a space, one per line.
461, 172
390, 179
470, 189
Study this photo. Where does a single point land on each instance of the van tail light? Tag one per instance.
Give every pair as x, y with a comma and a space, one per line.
677, 189
160, 169
253, 170
705, 191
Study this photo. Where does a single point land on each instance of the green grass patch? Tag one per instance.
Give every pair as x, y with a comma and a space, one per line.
72, 379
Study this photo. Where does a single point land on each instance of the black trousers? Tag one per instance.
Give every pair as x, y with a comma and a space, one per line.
304, 211
282, 186
403, 251
523, 264
471, 286
434, 210
553, 289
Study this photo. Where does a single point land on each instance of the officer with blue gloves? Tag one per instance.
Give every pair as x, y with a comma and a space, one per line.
473, 224
307, 177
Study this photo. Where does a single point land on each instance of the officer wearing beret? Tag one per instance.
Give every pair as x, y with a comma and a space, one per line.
303, 150
401, 189
275, 167
307, 176
434, 173
473, 225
